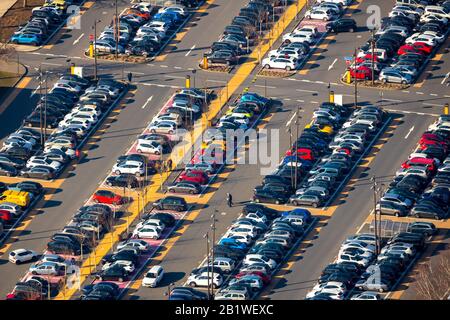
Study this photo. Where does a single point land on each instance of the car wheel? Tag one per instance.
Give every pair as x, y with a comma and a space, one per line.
397, 214
129, 186
191, 191
170, 132
15, 42
277, 201
117, 172
139, 150
437, 218
34, 272
325, 19
153, 131
137, 174
380, 290
266, 66
215, 286
295, 203
315, 205
257, 200
192, 284
403, 82
288, 68
157, 153
384, 80
352, 30
308, 17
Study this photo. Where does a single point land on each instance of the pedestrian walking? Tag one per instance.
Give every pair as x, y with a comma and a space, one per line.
229, 200
169, 165
77, 154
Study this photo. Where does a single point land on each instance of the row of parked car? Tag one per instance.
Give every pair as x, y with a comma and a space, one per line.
297, 44
142, 30
407, 38
421, 186
242, 33
42, 23
72, 108
249, 252
358, 273
319, 159
15, 200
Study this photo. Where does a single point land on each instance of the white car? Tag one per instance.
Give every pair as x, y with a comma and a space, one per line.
395, 77
42, 161
82, 123
320, 14
127, 265
179, 9
12, 208
312, 30
256, 216
158, 25
89, 116
147, 232
330, 6
280, 63
433, 17
143, 6
172, 117
437, 36
287, 53
328, 287
163, 127
141, 245
360, 245
203, 280
158, 224
23, 138
259, 258
153, 277
88, 109
239, 118
149, 147
426, 38
355, 259
129, 166
367, 295
68, 86
298, 37
22, 255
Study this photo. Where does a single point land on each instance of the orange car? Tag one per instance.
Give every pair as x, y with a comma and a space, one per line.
144, 15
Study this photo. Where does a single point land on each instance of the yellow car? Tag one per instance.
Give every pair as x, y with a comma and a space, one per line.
322, 128
240, 111
21, 198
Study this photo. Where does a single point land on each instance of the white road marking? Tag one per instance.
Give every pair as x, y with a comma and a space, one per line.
432, 104
445, 78
314, 102
300, 100
393, 100
418, 92
148, 100
190, 50
177, 68
433, 94
332, 65
409, 132
164, 66
413, 112
52, 64
290, 120
175, 77
78, 39
303, 90
35, 91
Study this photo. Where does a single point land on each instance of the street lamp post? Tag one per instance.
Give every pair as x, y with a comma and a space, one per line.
372, 44
355, 80
206, 236
95, 48
213, 229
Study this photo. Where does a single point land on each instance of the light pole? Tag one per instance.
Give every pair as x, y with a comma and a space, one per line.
169, 289
355, 80
95, 48
372, 44
193, 76
206, 236
117, 31
213, 229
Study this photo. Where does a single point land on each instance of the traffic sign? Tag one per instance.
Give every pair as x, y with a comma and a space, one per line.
91, 37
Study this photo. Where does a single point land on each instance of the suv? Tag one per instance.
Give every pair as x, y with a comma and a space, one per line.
171, 203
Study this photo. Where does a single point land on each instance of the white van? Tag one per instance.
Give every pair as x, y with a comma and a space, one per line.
153, 277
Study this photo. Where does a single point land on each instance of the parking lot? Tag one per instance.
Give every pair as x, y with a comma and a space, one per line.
326, 143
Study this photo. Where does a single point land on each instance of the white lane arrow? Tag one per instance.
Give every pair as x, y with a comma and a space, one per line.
190, 50
445, 78
290, 120
78, 39
146, 103
331, 66
410, 130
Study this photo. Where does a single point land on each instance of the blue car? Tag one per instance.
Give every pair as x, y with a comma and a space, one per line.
26, 38
298, 212
232, 243
177, 18
305, 164
252, 96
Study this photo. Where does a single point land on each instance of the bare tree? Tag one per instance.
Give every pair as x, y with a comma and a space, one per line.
433, 279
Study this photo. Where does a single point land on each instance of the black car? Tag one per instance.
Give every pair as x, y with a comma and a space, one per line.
125, 255
35, 120
233, 29
342, 25
144, 49
171, 203
187, 291
225, 251
123, 180
63, 247
225, 46
29, 186
274, 187
116, 273
430, 212
275, 179
222, 57
166, 218
7, 170
270, 196
257, 207
425, 228
109, 287
12, 161
185, 187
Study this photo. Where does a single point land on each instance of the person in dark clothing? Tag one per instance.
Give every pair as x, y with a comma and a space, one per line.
169, 165
229, 200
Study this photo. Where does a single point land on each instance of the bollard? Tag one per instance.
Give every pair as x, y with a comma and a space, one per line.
188, 81
91, 50
332, 96
348, 77
205, 61
446, 109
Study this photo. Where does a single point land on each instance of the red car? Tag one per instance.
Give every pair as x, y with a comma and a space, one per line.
361, 72
196, 176
429, 163
5, 215
210, 156
367, 57
432, 136
423, 47
302, 153
425, 143
108, 197
409, 49
264, 277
